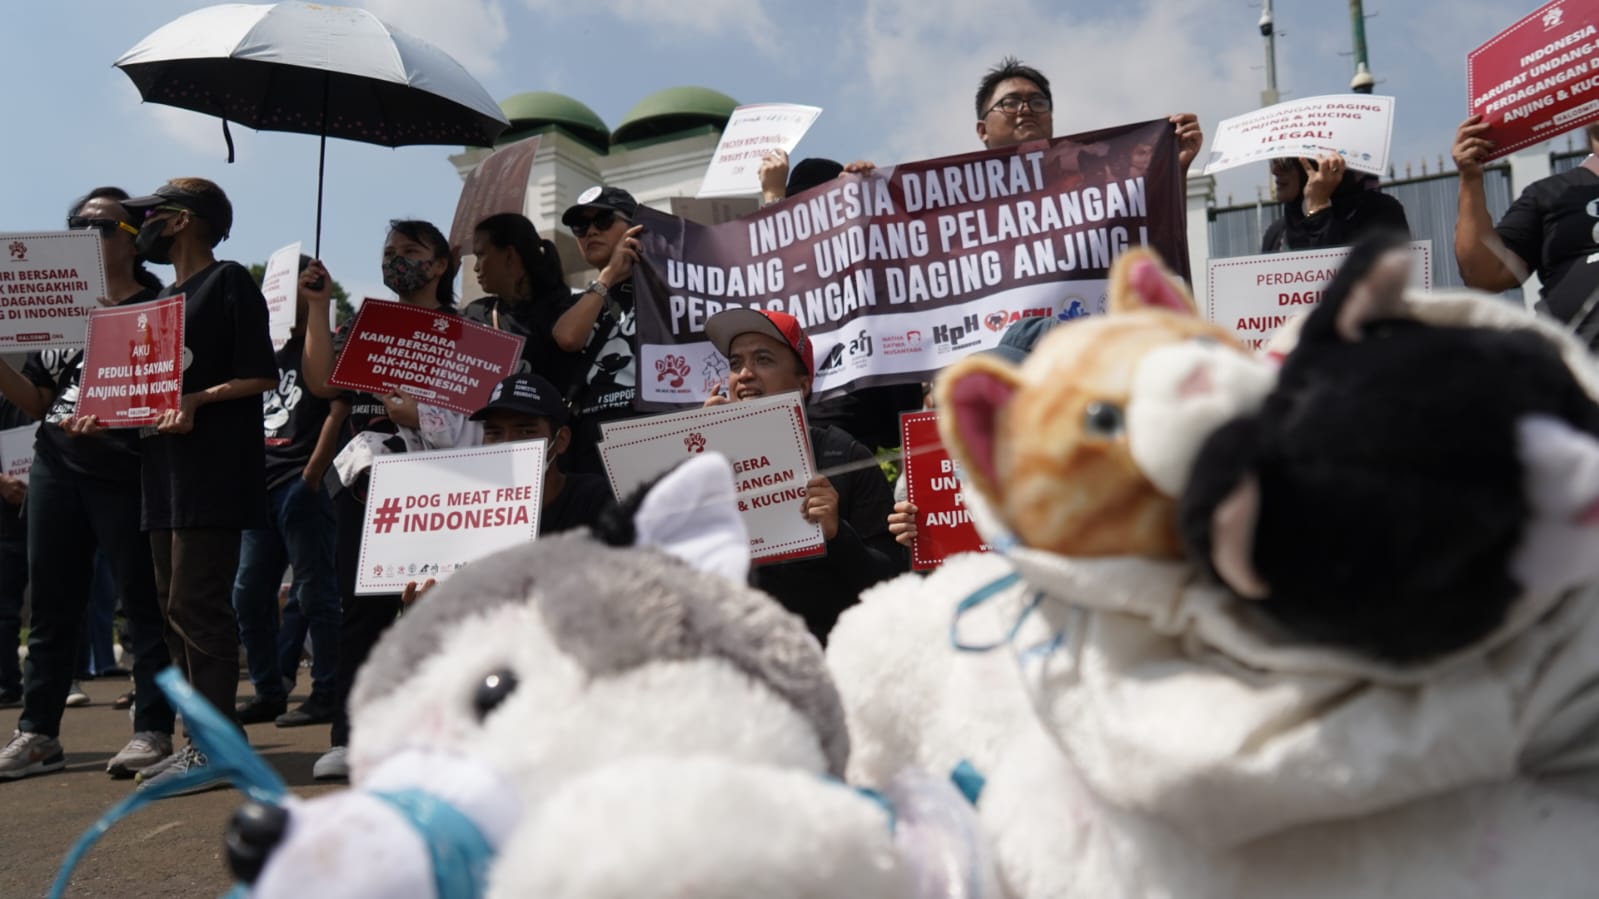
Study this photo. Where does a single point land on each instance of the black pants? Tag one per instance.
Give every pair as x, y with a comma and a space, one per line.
194, 569
364, 618
68, 517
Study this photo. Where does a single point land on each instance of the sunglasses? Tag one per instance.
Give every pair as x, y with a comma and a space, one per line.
106, 227
601, 222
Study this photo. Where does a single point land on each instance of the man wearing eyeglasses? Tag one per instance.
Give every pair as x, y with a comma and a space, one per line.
1014, 106
600, 322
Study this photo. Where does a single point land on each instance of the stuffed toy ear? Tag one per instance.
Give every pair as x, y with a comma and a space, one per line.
1140, 280
1369, 287
690, 512
1560, 546
1232, 540
971, 394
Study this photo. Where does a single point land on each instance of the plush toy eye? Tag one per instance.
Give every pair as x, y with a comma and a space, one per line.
496, 686
1103, 420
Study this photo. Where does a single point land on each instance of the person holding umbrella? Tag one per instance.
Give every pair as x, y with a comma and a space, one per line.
420, 267
203, 471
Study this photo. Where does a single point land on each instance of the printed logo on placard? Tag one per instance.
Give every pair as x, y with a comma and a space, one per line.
995, 321
19, 251
949, 338
713, 373
902, 344
673, 367
695, 442
143, 322
1553, 18
833, 361
441, 325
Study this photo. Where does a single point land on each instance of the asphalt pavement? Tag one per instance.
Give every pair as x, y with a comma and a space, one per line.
172, 848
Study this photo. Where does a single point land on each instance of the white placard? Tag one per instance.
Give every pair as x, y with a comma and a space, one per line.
16, 450
430, 514
49, 283
1355, 126
1255, 295
751, 133
769, 446
280, 284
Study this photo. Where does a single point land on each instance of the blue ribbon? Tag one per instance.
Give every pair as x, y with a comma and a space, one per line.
984, 594
460, 854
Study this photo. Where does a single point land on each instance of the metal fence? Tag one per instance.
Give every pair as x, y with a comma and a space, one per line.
1430, 202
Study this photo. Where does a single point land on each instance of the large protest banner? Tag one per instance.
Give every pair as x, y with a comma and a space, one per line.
133, 363
933, 486
1256, 295
430, 514
441, 359
896, 275
49, 283
1538, 77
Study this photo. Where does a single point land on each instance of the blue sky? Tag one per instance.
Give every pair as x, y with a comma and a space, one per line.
894, 78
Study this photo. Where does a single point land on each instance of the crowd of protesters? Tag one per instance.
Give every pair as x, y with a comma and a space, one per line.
192, 523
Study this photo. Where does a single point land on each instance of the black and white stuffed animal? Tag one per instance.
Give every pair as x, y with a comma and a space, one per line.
1405, 482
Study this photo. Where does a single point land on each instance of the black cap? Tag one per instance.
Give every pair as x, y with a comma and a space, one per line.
612, 199
217, 211
526, 394
1020, 338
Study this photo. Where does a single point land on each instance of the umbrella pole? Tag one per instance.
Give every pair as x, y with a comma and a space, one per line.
321, 165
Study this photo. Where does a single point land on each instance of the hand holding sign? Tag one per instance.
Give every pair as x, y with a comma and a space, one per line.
902, 523
1471, 148
821, 506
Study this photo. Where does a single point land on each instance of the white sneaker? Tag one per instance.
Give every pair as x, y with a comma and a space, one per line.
145, 749
28, 754
76, 698
333, 765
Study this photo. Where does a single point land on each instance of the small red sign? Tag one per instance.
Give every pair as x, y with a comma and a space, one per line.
1539, 77
441, 359
133, 363
932, 484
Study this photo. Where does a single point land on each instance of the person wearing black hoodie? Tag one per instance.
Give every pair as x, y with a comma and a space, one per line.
1326, 205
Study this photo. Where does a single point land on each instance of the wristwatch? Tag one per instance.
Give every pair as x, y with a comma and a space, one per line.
598, 289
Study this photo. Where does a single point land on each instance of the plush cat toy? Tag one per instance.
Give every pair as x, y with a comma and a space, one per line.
1082, 450
609, 714
1191, 741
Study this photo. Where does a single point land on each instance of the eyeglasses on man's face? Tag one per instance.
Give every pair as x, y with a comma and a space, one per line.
1011, 105
106, 227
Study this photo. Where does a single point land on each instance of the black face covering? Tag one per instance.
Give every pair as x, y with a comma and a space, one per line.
153, 245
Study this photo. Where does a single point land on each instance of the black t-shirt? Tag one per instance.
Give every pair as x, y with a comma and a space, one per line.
1554, 227
292, 417
861, 554
215, 475
578, 505
111, 456
534, 322
611, 382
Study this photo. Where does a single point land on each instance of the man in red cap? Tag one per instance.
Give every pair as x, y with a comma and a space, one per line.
768, 353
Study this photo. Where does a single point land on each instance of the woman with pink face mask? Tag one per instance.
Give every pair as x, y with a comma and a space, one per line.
420, 267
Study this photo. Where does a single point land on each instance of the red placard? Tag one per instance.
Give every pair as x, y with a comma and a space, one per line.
441, 359
932, 484
1538, 77
133, 363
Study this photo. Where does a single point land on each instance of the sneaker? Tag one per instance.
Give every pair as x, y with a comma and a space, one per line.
76, 698
315, 710
145, 749
259, 709
28, 754
333, 765
189, 761
10, 699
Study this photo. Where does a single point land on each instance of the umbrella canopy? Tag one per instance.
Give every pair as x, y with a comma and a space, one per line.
333, 71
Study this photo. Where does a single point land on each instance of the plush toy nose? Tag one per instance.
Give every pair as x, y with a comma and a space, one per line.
253, 832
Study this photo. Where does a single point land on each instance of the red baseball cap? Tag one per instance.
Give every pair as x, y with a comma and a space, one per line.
722, 327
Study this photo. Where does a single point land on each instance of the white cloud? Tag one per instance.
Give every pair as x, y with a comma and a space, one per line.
472, 31
742, 19
924, 58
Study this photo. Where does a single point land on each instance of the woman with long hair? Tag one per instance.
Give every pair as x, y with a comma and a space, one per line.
521, 272
419, 266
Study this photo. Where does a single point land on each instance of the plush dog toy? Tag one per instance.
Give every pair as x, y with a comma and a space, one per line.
609, 714
1189, 741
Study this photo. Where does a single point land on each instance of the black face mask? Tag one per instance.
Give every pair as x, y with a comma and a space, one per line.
154, 246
